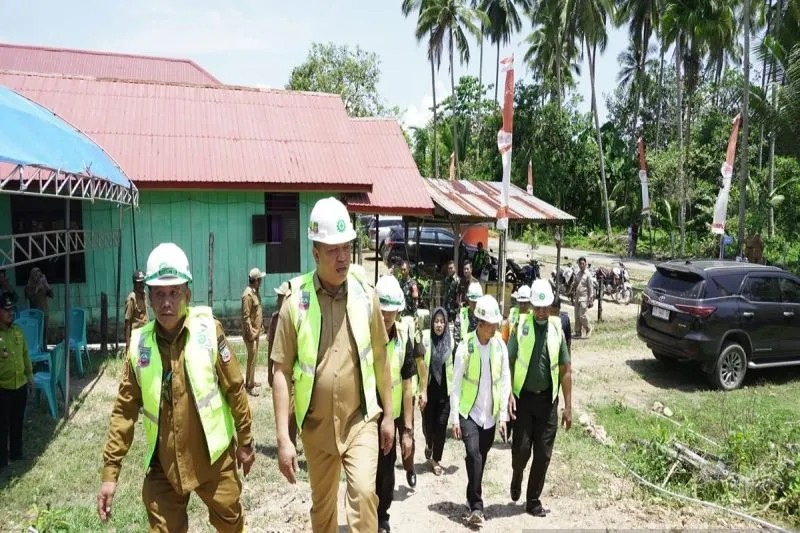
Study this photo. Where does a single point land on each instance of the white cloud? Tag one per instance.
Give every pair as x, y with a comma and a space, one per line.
417, 115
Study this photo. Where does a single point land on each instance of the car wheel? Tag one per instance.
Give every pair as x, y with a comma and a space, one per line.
728, 373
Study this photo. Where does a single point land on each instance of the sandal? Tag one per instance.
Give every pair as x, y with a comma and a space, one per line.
437, 468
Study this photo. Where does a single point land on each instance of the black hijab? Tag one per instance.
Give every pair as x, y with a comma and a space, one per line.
441, 346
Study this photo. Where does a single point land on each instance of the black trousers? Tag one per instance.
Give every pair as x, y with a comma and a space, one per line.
535, 429
384, 480
477, 442
434, 419
12, 413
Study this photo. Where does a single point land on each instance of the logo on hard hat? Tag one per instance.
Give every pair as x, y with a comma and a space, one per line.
541, 296
340, 226
314, 227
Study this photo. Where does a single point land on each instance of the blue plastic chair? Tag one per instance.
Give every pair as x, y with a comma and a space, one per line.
77, 338
48, 382
30, 329
38, 315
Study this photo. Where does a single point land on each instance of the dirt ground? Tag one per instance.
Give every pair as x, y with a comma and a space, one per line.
603, 371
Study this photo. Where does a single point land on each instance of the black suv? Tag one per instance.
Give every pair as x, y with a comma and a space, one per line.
435, 247
728, 316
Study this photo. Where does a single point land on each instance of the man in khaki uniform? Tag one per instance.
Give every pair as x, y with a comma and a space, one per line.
172, 367
339, 424
136, 314
583, 299
252, 326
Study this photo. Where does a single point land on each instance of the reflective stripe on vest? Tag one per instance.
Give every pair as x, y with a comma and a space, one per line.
472, 374
464, 320
200, 358
395, 355
307, 319
526, 338
513, 317
448, 363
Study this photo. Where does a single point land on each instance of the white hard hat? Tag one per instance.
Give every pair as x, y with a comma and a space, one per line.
329, 222
390, 295
523, 294
486, 309
167, 265
541, 293
474, 291
255, 273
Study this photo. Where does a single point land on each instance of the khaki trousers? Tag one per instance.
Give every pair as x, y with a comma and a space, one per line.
166, 509
252, 353
360, 462
582, 325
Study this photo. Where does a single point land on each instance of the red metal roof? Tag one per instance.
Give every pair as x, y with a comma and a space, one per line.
480, 200
68, 62
397, 188
205, 137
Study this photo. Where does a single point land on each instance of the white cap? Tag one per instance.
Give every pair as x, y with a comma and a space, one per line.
284, 290
523, 294
329, 222
255, 273
390, 295
167, 265
486, 309
474, 291
541, 293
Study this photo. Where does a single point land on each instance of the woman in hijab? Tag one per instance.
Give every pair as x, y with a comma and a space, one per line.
438, 343
38, 291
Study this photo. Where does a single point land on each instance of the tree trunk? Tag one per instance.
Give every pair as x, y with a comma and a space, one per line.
453, 92
592, 56
660, 103
745, 128
763, 91
497, 72
435, 161
480, 64
681, 181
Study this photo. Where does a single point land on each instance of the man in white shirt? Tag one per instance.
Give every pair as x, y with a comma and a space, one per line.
478, 403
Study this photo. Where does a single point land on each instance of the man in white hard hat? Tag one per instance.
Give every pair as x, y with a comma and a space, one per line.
252, 326
523, 298
479, 400
400, 358
181, 372
540, 366
332, 340
465, 321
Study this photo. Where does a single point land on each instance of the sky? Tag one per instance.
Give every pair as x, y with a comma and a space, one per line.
258, 42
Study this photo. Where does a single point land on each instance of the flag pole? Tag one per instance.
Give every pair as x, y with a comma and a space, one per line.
504, 145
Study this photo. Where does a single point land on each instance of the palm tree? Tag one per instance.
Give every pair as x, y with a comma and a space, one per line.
419, 5
504, 21
550, 55
586, 23
446, 23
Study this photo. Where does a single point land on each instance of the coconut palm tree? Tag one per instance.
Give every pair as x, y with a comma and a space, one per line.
504, 21
552, 63
407, 7
446, 23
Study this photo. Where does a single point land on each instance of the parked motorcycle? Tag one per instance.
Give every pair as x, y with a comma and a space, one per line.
519, 276
490, 272
615, 282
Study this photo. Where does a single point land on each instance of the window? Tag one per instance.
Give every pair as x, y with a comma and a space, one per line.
31, 214
762, 289
724, 284
428, 235
446, 238
280, 232
677, 283
790, 290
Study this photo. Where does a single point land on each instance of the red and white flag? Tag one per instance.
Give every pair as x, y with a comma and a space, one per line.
504, 140
530, 177
452, 165
643, 180
721, 205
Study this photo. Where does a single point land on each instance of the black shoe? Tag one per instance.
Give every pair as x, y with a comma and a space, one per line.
428, 453
536, 509
516, 485
411, 477
383, 527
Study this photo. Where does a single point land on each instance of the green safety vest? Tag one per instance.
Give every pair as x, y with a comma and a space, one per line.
526, 337
307, 319
472, 374
395, 356
200, 364
513, 318
464, 319
448, 365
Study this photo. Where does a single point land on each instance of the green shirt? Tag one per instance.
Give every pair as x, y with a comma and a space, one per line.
15, 365
538, 378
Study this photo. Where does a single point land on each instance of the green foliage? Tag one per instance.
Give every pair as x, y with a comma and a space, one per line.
48, 520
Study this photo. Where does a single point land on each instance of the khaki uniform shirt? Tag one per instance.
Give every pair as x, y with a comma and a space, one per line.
252, 314
136, 310
181, 449
15, 365
335, 409
584, 289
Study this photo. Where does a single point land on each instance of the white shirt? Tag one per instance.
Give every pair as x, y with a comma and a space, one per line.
481, 412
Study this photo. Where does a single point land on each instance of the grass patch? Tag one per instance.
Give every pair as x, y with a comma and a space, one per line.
755, 436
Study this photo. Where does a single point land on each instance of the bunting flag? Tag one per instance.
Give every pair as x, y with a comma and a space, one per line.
721, 205
452, 165
529, 188
504, 140
643, 180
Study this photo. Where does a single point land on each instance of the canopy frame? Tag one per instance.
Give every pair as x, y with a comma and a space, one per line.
39, 181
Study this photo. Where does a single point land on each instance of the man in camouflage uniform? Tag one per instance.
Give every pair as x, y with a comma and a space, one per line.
410, 290
451, 291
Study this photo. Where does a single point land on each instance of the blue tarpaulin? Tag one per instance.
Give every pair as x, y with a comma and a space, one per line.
31, 135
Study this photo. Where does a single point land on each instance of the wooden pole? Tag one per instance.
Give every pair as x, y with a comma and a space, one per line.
211, 269
377, 244
104, 322
67, 347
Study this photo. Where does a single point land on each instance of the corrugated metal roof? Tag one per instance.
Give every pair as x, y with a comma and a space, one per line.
94, 64
480, 200
195, 137
398, 188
